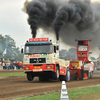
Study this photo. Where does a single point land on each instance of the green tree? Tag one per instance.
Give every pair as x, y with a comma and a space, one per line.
1, 44
63, 53
13, 52
71, 54
93, 58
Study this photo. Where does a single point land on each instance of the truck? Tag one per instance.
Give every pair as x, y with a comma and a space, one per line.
41, 59
83, 67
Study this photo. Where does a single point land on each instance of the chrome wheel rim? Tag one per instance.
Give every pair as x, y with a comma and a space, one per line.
68, 75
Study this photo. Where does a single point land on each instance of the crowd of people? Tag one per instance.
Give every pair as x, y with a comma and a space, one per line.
13, 65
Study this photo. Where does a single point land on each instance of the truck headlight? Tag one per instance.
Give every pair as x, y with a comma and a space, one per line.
48, 67
26, 67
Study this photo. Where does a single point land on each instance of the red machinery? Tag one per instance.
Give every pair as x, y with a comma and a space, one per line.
83, 67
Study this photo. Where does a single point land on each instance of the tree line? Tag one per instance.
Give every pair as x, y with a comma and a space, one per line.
12, 52
70, 54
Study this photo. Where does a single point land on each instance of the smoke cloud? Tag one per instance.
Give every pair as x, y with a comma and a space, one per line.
41, 13
70, 19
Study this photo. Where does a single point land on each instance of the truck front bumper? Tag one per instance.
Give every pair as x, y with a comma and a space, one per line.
39, 68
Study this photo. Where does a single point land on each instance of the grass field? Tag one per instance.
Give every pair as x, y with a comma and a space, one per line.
12, 74
87, 93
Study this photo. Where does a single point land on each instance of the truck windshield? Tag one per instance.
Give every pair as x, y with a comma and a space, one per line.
38, 49
82, 48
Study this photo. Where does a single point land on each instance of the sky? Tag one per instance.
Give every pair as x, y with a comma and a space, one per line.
13, 22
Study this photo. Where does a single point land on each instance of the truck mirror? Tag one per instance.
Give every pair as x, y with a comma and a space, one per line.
54, 49
57, 47
22, 50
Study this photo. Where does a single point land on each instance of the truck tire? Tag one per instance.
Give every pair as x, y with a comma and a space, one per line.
30, 76
89, 75
82, 74
67, 77
57, 73
43, 78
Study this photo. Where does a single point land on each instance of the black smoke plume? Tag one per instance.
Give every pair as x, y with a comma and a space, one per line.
41, 13
78, 12
69, 18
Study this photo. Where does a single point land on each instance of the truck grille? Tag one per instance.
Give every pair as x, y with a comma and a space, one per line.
37, 60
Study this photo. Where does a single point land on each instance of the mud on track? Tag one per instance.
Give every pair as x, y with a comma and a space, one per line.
18, 86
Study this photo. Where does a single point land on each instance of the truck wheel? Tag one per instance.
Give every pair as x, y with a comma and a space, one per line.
40, 78
67, 74
43, 78
82, 75
89, 75
67, 77
29, 76
92, 73
57, 73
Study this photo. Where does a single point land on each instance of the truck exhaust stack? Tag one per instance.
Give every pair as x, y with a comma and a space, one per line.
57, 37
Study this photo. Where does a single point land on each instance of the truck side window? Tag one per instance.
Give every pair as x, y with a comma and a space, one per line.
27, 49
54, 49
51, 47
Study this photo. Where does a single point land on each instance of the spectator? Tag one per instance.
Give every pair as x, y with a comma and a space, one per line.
11, 65
18, 65
22, 66
1, 63
8, 65
4, 65
14, 64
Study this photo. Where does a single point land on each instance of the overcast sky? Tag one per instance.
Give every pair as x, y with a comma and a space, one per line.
13, 22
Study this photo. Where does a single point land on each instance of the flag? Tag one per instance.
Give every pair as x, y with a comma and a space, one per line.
4, 52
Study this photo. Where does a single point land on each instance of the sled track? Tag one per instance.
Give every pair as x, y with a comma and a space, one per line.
18, 86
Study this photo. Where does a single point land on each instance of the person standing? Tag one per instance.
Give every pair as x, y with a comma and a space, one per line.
8, 65
12, 67
18, 65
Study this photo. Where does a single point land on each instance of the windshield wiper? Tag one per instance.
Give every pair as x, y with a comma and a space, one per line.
30, 53
43, 53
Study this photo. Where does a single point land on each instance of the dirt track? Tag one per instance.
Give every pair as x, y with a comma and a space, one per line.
18, 86
10, 71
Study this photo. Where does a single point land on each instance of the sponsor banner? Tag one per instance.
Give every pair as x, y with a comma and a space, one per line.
43, 55
32, 56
